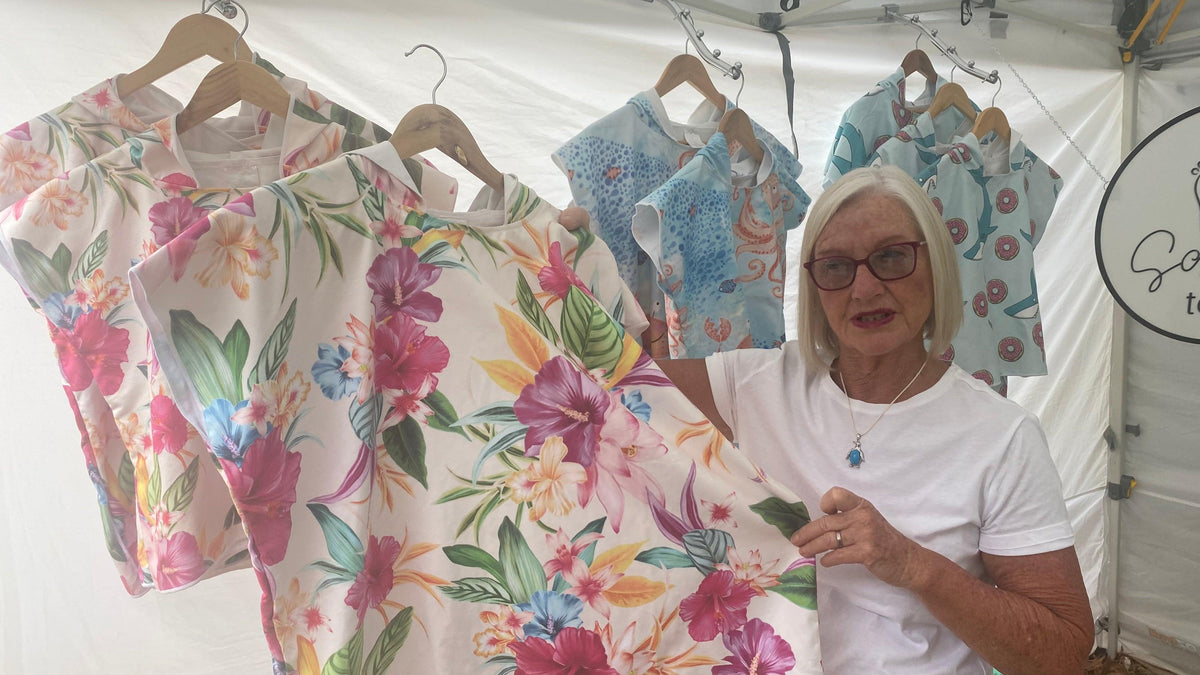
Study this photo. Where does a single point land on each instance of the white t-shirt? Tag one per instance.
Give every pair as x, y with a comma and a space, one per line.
956, 468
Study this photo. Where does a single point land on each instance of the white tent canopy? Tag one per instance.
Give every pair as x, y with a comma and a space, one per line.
527, 75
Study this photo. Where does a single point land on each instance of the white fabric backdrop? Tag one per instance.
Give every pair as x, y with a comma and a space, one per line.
524, 76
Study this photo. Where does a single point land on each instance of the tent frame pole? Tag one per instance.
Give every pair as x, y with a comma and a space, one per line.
1116, 387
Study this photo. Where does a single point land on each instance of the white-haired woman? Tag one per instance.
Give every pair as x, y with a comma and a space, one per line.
945, 545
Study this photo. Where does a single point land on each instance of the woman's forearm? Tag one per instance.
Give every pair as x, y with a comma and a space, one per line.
1012, 631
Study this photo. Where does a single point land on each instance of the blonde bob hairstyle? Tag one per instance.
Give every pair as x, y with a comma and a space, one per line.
818, 343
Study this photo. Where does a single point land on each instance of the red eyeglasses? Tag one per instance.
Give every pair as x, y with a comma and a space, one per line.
889, 263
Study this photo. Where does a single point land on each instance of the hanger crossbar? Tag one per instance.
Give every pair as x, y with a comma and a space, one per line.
892, 13
696, 37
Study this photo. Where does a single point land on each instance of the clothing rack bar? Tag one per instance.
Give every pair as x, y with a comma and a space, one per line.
695, 36
892, 13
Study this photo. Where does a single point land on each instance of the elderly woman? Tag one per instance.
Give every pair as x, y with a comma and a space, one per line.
946, 545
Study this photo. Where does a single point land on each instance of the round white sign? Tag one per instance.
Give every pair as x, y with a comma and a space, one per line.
1148, 230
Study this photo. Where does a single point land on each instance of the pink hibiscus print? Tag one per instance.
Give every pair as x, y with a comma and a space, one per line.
399, 280
563, 402
91, 349
176, 561
264, 488
170, 218
558, 277
566, 553
405, 357
373, 583
717, 607
756, 650
168, 428
575, 651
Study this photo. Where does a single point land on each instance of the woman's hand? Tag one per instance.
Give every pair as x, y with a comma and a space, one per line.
867, 538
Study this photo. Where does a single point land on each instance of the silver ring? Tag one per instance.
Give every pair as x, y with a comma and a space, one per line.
837, 534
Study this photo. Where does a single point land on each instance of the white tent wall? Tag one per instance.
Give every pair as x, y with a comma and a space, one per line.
525, 76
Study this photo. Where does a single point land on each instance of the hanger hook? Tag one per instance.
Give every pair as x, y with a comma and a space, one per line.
741, 76
229, 10
999, 85
917, 43
445, 69
952, 69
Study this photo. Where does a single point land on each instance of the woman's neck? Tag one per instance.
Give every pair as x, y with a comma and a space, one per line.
880, 379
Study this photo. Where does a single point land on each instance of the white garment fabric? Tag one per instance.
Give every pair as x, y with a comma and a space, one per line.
956, 468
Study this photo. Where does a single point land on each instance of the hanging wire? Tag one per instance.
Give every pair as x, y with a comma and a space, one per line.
1046, 111
229, 10
445, 68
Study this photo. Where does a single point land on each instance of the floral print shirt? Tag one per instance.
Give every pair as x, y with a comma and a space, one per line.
996, 202
620, 159
168, 517
717, 241
90, 125
448, 454
870, 121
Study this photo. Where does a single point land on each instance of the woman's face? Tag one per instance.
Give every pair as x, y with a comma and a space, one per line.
872, 317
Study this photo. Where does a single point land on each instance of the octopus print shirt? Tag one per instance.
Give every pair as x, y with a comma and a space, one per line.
717, 240
451, 457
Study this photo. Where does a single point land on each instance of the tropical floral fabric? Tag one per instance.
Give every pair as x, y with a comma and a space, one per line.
871, 120
448, 454
717, 241
168, 517
90, 125
621, 158
996, 200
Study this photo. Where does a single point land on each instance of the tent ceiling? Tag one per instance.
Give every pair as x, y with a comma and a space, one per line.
1093, 18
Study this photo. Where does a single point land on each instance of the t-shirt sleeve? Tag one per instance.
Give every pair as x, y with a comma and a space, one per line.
1024, 511
755, 376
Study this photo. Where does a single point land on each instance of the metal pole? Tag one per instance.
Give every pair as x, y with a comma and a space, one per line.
1116, 387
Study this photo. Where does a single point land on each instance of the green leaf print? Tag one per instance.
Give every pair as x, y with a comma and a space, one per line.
154, 487
787, 518
523, 574
478, 589
405, 444
799, 585
348, 659
39, 271
493, 413
125, 479
664, 556
533, 311
179, 496
344, 546
91, 258
389, 643
444, 417
364, 418
503, 439
203, 358
586, 239
275, 350
61, 260
236, 347
473, 556
707, 548
588, 332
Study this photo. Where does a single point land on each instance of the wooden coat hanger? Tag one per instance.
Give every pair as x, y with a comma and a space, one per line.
232, 82
917, 61
431, 126
992, 119
193, 36
952, 95
690, 69
735, 124
228, 84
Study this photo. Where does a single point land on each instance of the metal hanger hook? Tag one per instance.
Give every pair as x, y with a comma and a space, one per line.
952, 69
741, 76
999, 86
445, 68
229, 10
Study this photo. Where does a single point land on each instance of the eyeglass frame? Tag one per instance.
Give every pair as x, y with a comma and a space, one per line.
864, 261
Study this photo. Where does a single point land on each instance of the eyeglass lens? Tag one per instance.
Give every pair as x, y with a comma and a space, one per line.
887, 264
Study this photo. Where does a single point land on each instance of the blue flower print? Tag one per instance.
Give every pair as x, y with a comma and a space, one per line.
228, 439
633, 401
328, 373
552, 612
60, 312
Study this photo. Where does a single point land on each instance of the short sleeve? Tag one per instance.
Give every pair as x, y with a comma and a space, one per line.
756, 377
1024, 512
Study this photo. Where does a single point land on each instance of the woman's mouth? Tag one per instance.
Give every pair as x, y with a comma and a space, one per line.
872, 319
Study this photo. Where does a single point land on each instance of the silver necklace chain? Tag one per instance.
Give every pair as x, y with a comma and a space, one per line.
850, 408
